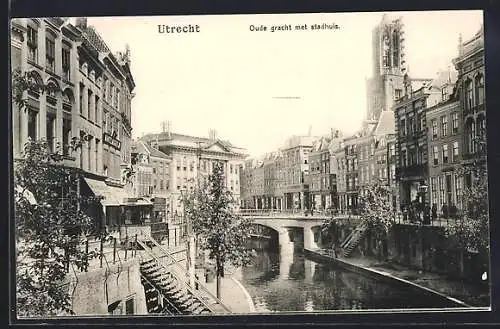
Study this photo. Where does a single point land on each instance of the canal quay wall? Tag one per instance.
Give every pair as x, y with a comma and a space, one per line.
383, 277
112, 286
423, 248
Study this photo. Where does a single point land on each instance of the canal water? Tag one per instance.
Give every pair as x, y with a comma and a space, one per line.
291, 282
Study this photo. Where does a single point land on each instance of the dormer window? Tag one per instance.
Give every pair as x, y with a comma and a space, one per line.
444, 93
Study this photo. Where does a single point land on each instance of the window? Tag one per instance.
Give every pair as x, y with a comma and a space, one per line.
468, 95
435, 155
130, 306
434, 195
392, 149
89, 154
51, 125
66, 64
449, 195
422, 124
454, 122
50, 54
458, 190
32, 124
441, 190
398, 93
97, 142
444, 93
82, 90
434, 128
444, 126
66, 136
471, 135
445, 153
403, 158
96, 108
411, 126
403, 127
455, 151
479, 84
32, 44
393, 172
89, 104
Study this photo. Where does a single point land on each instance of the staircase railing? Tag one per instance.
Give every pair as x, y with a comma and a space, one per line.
182, 270
354, 234
160, 293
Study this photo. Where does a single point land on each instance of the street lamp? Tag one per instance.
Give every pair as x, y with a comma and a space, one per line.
190, 264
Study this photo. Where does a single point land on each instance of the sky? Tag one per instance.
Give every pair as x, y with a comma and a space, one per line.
229, 78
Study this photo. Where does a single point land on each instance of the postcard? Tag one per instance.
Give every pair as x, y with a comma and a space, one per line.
249, 164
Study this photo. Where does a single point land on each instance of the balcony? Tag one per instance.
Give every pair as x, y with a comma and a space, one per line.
418, 170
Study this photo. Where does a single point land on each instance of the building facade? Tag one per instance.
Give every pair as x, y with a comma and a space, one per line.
445, 135
296, 169
88, 96
193, 159
320, 179
471, 95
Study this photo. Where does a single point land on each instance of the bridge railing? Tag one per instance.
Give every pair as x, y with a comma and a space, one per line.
291, 213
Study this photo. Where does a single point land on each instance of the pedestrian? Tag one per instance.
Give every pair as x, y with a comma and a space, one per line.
334, 249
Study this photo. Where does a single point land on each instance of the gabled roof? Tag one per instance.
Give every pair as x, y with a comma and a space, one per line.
192, 141
385, 124
144, 148
216, 146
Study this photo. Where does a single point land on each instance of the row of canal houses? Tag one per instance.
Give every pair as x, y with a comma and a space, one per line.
415, 147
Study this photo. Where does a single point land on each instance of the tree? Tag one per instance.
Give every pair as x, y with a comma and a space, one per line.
471, 229
210, 208
50, 223
376, 209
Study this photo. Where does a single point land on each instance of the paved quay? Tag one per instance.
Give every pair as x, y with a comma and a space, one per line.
233, 294
463, 292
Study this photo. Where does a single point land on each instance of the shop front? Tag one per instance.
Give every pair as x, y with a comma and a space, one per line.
122, 216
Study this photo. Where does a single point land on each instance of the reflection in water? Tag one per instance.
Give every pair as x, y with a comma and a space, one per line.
290, 282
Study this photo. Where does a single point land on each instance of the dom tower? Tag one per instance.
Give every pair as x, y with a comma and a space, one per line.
386, 84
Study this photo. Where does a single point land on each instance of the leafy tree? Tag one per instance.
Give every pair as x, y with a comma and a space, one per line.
376, 209
471, 229
210, 208
50, 223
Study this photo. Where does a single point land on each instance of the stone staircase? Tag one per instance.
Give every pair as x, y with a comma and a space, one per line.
166, 294
166, 284
353, 239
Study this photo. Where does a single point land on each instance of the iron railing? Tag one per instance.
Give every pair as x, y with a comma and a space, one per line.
182, 270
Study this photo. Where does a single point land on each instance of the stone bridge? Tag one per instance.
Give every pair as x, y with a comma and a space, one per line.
283, 225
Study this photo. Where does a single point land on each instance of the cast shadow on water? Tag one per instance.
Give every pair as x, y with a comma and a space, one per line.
296, 283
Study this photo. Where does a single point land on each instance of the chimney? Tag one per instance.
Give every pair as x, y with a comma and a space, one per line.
212, 134
81, 23
166, 128
460, 43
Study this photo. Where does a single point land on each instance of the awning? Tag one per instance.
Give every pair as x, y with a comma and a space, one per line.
138, 202
113, 196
